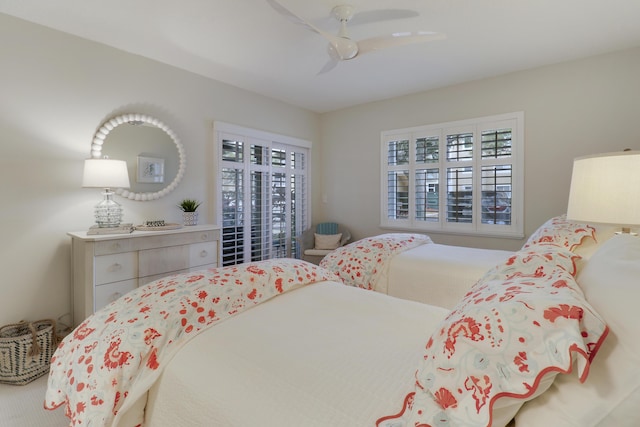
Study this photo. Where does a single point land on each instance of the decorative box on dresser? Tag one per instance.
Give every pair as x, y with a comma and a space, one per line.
106, 266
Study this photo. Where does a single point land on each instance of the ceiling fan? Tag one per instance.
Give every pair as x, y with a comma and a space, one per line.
343, 48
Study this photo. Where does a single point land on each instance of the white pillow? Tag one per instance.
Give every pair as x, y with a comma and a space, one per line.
327, 241
611, 394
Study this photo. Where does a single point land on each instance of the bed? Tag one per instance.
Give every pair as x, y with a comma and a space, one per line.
411, 266
284, 342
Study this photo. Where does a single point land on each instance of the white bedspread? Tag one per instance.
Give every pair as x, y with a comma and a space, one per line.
322, 355
439, 274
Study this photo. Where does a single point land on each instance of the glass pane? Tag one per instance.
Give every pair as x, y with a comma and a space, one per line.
298, 210
232, 151
259, 216
496, 194
428, 150
460, 147
398, 193
232, 216
297, 160
259, 155
496, 143
278, 157
398, 152
279, 215
459, 195
427, 191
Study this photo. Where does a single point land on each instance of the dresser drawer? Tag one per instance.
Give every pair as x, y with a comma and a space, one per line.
105, 294
148, 279
115, 267
113, 246
163, 260
202, 254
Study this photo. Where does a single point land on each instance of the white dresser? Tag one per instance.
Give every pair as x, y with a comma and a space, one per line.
106, 267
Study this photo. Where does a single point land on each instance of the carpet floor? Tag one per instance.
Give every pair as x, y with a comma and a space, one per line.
22, 406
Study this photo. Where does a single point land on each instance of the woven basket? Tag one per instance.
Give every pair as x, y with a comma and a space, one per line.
25, 350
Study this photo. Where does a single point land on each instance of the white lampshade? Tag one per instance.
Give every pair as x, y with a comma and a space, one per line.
605, 188
105, 173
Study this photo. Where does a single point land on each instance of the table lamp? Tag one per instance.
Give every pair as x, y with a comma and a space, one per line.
605, 188
106, 173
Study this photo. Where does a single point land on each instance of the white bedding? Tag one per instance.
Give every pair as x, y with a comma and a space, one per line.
325, 354
410, 266
438, 274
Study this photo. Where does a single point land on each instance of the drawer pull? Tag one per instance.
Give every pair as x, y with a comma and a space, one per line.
203, 254
115, 296
204, 236
115, 246
116, 267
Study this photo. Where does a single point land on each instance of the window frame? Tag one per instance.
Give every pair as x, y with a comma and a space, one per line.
475, 126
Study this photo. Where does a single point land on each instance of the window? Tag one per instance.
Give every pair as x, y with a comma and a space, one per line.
262, 198
460, 177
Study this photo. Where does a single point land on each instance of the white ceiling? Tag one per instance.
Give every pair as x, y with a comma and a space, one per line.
246, 43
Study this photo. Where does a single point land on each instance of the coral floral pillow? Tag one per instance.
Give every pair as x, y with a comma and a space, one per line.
562, 232
521, 321
611, 395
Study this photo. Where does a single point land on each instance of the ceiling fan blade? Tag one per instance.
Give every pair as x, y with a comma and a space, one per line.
330, 65
397, 39
370, 16
297, 20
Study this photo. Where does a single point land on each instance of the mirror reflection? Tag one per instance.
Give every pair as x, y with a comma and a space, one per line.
154, 155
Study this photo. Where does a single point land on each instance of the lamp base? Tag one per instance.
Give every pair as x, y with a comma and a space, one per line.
626, 230
108, 212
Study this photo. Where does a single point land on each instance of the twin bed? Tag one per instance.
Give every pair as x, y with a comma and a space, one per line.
419, 269
284, 342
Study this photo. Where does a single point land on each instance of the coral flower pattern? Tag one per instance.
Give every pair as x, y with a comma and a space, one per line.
522, 320
114, 356
561, 232
361, 263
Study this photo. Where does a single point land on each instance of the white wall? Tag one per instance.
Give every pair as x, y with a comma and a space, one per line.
55, 92
571, 109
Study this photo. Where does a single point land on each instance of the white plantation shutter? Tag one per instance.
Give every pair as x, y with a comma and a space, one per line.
458, 177
261, 195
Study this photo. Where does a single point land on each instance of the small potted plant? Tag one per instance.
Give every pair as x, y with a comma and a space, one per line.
188, 208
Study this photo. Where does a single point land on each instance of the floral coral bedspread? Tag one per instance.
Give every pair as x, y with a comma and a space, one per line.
114, 356
522, 320
362, 263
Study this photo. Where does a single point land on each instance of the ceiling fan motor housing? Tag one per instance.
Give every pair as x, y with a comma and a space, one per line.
343, 49
343, 13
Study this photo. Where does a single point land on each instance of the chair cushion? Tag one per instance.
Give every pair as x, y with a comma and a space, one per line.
327, 241
317, 252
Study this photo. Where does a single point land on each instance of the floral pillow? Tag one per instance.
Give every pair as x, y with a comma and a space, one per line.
562, 232
523, 320
611, 395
